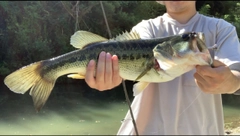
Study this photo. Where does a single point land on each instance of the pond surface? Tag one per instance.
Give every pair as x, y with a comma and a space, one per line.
70, 113
66, 113
231, 116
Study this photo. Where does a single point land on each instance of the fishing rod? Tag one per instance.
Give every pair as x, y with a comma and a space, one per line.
123, 81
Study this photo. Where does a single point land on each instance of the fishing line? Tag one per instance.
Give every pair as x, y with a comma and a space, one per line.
106, 21
123, 81
129, 105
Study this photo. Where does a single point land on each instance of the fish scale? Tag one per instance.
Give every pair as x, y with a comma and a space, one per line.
144, 60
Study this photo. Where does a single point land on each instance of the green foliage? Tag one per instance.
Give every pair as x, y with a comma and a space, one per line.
35, 30
205, 10
148, 9
3, 68
227, 10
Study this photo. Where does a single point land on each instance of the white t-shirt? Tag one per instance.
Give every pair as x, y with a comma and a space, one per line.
179, 106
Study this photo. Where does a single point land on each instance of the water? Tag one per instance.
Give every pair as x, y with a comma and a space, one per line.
69, 112
231, 116
65, 114
83, 119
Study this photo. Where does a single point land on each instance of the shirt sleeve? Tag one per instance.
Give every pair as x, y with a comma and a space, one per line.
229, 48
143, 29
228, 44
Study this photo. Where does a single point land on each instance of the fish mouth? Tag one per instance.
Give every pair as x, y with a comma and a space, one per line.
198, 46
162, 64
196, 41
156, 65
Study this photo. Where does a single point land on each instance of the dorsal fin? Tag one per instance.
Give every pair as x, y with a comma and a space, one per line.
126, 36
82, 38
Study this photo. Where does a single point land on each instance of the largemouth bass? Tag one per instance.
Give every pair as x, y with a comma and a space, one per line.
143, 60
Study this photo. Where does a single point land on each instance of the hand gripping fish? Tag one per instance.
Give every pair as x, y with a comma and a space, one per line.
143, 60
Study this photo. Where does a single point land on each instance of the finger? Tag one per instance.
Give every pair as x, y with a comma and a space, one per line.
89, 77
108, 68
199, 84
203, 88
204, 80
101, 68
116, 77
205, 70
199, 78
217, 63
204, 83
209, 78
209, 71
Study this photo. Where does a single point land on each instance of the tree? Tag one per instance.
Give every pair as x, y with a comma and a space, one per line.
28, 28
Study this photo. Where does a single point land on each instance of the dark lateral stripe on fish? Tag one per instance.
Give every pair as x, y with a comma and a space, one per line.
144, 60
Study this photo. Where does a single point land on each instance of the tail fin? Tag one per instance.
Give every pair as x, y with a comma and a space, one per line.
28, 77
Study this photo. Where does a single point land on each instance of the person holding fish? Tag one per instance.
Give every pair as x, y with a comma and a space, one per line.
191, 103
180, 84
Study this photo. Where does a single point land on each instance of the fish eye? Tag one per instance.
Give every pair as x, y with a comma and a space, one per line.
185, 37
193, 34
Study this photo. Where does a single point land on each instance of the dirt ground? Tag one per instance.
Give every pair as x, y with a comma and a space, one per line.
233, 131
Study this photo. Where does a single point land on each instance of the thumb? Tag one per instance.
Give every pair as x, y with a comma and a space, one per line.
217, 63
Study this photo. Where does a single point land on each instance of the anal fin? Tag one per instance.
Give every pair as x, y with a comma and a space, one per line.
76, 76
139, 87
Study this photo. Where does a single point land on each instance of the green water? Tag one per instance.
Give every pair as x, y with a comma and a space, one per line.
231, 116
63, 114
70, 113
86, 118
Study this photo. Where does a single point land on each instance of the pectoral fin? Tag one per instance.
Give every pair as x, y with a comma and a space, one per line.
76, 76
142, 74
139, 87
147, 65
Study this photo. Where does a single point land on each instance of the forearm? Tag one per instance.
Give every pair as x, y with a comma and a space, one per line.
236, 82
235, 68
